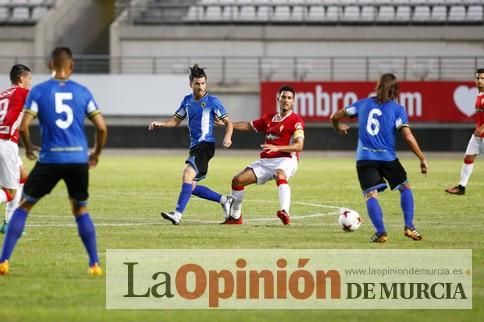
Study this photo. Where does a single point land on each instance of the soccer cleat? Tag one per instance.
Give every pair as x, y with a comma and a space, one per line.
4, 227
457, 190
284, 217
379, 238
227, 206
95, 270
232, 221
171, 216
4, 267
412, 233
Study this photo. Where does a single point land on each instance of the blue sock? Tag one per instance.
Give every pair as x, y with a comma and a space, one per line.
206, 193
185, 194
14, 232
376, 215
406, 202
87, 232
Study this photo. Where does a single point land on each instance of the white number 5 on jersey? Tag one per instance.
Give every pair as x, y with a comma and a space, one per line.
61, 107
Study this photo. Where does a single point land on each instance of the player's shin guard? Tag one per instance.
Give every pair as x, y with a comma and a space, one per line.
184, 197
407, 204
465, 172
238, 194
14, 232
87, 232
206, 193
13, 204
284, 194
376, 215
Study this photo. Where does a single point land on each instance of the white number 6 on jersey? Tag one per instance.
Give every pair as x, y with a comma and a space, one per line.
373, 125
60, 107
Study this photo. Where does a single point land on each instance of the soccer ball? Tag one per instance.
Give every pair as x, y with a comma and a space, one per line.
349, 220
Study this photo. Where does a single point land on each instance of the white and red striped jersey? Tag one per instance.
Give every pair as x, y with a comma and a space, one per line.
12, 102
279, 131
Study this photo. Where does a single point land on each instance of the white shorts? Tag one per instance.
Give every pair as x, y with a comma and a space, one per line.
264, 169
475, 146
10, 164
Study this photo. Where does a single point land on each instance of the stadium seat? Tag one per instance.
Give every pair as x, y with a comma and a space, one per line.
4, 14
351, 13
298, 13
386, 13
263, 13
368, 13
439, 13
20, 14
421, 13
282, 13
38, 13
403, 13
316, 13
474, 13
332, 13
457, 13
247, 13
213, 13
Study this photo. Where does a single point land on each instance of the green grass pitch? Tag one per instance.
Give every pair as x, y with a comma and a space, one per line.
48, 280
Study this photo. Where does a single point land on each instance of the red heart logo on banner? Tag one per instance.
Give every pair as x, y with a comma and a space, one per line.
464, 99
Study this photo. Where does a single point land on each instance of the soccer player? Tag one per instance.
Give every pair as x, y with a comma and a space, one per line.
202, 110
377, 165
476, 143
284, 139
12, 102
61, 106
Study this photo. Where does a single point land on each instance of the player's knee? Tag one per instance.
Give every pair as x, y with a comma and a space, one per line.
403, 187
371, 194
236, 181
469, 159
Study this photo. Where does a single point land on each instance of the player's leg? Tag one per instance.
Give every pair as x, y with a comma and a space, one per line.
371, 181
239, 181
285, 169
14, 203
9, 174
76, 178
473, 149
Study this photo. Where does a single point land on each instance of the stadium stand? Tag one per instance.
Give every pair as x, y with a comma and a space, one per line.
23, 12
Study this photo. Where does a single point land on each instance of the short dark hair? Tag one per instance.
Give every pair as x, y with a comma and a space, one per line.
196, 72
387, 88
480, 71
286, 88
60, 57
17, 71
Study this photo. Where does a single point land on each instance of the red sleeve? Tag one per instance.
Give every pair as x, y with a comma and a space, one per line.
260, 125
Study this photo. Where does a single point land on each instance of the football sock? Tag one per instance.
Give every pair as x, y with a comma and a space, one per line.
5, 196
13, 204
465, 173
14, 232
376, 215
87, 232
184, 197
406, 202
284, 194
238, 194
206, 193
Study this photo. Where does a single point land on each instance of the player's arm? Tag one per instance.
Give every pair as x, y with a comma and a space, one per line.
296, 146
100, 138
229, 130
414, 147
342, 128
479, 131
24, 131
171, 122
243, 126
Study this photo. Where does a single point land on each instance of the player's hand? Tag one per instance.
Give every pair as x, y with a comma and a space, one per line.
227, 143
424, 166
93, 160
218, 122
343, 128
269, 147
154, 125
478, 132
30, 152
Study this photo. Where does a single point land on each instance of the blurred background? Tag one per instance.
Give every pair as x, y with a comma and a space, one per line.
134, 56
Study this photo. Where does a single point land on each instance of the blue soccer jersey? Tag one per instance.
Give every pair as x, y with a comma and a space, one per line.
61, 107
201, 114
378, 125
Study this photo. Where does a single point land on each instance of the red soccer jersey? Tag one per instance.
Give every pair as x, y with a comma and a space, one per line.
480, 111
12, 103
279, 131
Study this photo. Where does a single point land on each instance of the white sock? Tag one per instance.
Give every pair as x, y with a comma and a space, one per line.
3, 196
237, 205
465, 173
222, 200
284, 196
13, 204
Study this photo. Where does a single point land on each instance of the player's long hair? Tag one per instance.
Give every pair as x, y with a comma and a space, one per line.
17, 71
387, 88
196, 72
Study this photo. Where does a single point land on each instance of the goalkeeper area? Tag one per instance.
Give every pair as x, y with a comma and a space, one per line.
48, 278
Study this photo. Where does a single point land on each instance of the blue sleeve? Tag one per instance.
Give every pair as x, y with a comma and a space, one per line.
31, 105
401, 118
218, 108
181, 112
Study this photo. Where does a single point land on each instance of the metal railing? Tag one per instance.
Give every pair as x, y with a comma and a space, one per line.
251, 70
